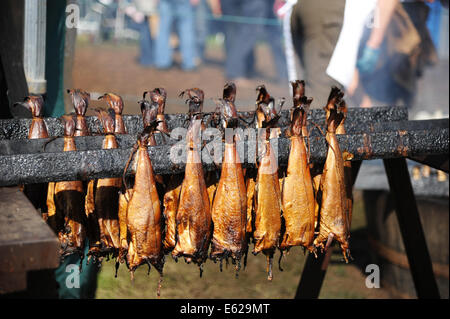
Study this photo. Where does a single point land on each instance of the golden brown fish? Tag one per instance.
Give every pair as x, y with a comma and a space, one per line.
124, 198
334, 222
347, 165
298, 192
144, 218
267, 218
194, 214
171, 201
267, 207
229, 210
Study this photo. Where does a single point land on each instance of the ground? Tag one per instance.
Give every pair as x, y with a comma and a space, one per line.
182, 280
106, 67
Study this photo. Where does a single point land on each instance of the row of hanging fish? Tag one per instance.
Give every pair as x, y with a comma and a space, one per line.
141, 218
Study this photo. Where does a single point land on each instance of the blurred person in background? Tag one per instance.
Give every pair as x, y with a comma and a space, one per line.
182, 12
202, 24
393, 54
139, 12
315, 27
241, 38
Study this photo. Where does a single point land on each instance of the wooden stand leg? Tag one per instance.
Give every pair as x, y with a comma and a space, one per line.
411, 228
316, 268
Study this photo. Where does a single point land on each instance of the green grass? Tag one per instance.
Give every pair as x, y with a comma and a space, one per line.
182, 280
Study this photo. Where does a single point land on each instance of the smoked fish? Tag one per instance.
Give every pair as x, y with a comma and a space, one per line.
334, 219
193, 219
298, 193
229, 209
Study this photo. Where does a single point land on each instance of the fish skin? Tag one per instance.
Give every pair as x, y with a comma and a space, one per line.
268, 204
123, 230
250, 186
333, 213
298, 199
347, 166
229, 212
171, 202
194, 224
144, 222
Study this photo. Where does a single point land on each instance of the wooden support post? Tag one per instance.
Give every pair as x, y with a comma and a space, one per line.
11, 55
316, 268
411, 228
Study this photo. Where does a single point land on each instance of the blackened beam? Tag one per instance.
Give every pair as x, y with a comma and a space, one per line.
91, 164
52, 145
356, 122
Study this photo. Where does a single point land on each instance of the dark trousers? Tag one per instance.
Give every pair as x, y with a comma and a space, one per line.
241, 38
315, 26
145, 41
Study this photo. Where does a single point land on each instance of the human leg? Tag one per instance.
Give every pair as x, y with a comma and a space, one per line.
163, 51
186, 33
320, 22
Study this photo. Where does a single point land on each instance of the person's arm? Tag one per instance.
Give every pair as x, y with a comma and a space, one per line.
383, 13
216, 9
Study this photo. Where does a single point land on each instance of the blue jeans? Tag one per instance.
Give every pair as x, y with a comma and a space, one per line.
145, 41
183, 13
243, 37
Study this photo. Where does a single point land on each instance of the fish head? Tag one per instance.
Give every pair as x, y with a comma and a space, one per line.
159, 96
195, 97
149, 112
298, 91
229, 92
107, 118
113, 101
80, 100
33, 103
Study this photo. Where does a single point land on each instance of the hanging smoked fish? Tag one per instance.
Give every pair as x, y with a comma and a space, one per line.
262, 99
36, 193
80, 101
65, 200
144, 218
115, 102
334, 219
193, 219
298, 192
267, 218
229, 210
347, 164
149, 112
173, 183
106, 196
171, 191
